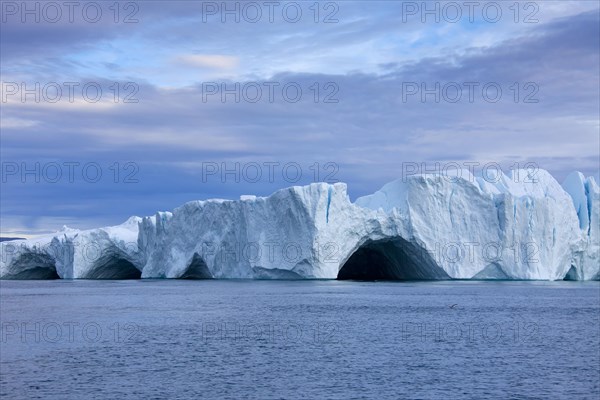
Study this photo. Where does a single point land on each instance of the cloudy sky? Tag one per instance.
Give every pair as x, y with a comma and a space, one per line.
110, 111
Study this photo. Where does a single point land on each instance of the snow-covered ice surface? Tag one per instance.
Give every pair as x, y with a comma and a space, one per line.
429, 226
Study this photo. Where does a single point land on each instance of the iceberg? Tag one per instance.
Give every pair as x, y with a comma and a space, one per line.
585, 194
516, 226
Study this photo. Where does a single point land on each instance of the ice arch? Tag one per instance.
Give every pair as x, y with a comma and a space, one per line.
33, 266
391, 259
197, 269
114, 267
572, 274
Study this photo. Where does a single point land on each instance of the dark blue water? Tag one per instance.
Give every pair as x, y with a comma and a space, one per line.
309, 340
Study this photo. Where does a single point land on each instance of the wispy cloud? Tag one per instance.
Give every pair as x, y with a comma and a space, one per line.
212, 61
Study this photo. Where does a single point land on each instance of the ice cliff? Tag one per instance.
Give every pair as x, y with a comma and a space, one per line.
430, 226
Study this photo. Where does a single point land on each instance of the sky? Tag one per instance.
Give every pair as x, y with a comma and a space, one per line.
111, 109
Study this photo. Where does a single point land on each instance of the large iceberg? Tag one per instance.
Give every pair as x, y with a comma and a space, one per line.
427, 226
